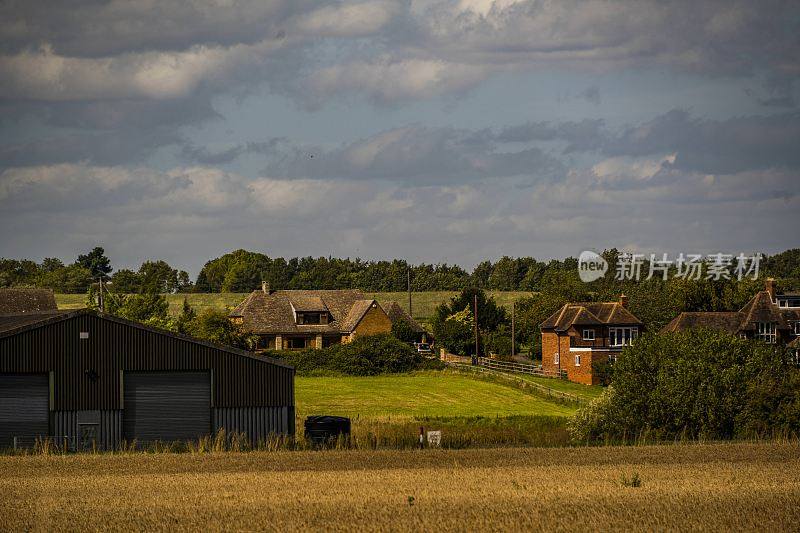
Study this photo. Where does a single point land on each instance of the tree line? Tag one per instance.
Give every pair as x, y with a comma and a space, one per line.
244, 271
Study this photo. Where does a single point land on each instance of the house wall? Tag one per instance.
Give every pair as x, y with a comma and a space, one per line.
583, 373
375, 321
550, 346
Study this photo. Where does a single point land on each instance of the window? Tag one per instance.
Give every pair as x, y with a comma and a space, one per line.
556, 359
588, 334
612, 358
622, 336
309, 318
577, 359
796, 327
766, 331
297, 343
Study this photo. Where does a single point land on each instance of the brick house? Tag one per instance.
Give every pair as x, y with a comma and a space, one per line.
768, 316
298, 319
581, 335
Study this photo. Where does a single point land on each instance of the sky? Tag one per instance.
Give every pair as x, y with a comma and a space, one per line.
434, 131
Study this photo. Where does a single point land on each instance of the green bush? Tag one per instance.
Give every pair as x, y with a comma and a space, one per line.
695, 384
365, 356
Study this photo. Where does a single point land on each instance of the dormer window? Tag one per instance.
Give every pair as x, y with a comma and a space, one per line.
767, 332
311, 318
588, 334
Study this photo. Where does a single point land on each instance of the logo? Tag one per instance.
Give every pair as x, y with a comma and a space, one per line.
591, 266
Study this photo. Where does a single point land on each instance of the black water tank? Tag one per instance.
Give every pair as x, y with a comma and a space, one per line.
323, 429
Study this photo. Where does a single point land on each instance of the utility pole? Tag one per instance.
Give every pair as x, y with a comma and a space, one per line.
512, 330
100, 302
408, 273
475, 317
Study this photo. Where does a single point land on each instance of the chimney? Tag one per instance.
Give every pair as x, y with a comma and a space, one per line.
623, 300
265, 287
770, 287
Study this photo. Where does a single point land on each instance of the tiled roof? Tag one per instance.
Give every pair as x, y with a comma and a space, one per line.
722, 321
589, 314
21, 301
761, 308
395, 312
271, 312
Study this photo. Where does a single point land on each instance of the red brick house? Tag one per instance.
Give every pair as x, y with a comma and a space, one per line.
579, 335
768, 316
298, 319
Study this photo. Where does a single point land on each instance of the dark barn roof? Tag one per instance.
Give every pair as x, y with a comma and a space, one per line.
22, 301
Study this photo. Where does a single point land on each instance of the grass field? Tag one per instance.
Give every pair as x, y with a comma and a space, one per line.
730, 487
587, 392
422, 303
418, 395
387, 411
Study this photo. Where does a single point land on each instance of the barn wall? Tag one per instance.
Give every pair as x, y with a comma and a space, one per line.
65, 424
87, 372
257, 423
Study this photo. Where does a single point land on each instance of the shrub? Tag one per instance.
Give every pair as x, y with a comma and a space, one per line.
365, 356
695, 384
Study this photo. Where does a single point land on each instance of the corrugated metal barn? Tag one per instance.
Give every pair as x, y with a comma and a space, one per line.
95, 377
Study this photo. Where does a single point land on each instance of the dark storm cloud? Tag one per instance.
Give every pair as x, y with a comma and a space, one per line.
714, 146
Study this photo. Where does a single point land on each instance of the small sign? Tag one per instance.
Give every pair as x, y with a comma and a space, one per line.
84, 335
435, 438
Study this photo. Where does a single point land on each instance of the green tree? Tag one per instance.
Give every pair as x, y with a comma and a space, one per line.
126, 281
51, 264
505, 275
697, 383
215, 326
158, 276
403, 331
96, 262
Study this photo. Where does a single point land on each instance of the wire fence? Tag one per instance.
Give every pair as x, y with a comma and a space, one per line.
510, 376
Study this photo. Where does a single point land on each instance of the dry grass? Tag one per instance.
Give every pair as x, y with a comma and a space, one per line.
711, 487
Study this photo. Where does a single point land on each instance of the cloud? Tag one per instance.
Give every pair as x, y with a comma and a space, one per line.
188, 214
714, 146
418, 155
388, 80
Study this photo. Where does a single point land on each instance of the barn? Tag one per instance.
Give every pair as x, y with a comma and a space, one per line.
100, 380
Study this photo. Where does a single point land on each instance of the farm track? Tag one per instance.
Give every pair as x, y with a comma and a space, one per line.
711, 487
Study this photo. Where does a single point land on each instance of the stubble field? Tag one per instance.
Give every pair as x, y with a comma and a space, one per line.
711, 487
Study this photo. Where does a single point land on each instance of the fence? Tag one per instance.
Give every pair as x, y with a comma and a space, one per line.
522, 383
521, 368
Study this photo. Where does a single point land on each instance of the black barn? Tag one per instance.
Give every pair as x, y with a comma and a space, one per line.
97, 378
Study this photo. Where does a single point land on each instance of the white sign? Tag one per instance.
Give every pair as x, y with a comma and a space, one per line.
84, 335
435, 438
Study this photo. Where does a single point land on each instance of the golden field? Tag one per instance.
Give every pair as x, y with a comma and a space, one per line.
711, 487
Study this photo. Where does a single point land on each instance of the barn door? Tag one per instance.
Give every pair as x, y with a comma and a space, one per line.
166, 406
24, 408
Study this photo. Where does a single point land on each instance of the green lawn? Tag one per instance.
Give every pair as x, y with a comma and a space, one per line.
417, 395
422, 303
587, 392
